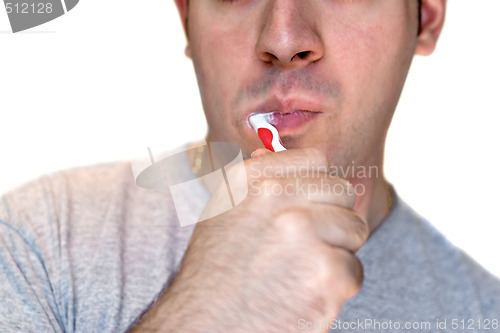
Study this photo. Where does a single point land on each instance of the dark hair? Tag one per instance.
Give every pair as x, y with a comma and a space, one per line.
419, 17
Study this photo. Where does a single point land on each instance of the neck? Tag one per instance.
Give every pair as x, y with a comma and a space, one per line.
376, 202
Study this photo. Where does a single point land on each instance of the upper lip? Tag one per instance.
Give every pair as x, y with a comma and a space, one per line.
285, 106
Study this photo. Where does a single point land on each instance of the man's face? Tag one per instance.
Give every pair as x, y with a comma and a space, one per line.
332, 69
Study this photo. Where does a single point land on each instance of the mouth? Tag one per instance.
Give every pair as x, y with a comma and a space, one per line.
287, 123
290, 123
289, 117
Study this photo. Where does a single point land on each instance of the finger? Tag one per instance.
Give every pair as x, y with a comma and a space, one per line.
318, 188
335, 226
260, 152
339, 271
342, 275
340, 227
294, 163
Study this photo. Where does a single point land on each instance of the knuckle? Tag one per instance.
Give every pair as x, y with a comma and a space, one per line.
345, 275
355, 269
325, 264
292, 224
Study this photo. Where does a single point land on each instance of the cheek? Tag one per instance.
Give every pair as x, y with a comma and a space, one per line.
219, 59
363, 55
217, 53
372, 61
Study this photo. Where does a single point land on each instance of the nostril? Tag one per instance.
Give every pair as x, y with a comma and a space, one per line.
268, 57
302, 55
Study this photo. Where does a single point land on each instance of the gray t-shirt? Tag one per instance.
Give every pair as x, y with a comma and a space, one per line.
87, 250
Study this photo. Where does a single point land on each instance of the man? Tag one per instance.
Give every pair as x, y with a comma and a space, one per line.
89, 251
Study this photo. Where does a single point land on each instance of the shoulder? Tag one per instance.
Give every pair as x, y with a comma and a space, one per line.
48, 194
88, 236
77, 198
416, 270
456, 277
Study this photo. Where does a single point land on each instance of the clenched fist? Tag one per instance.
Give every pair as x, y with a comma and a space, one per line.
287, 252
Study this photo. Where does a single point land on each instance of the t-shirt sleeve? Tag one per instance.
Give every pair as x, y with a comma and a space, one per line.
26, 294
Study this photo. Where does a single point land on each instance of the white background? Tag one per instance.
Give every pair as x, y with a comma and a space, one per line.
109, 79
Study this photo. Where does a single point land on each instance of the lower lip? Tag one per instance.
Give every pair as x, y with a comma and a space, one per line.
293, 121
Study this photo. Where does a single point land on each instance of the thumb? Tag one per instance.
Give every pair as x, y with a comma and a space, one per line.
260, 152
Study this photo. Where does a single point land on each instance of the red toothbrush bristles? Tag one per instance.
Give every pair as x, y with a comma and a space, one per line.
266, 136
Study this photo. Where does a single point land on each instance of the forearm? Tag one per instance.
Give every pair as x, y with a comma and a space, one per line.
167, 314
186, 306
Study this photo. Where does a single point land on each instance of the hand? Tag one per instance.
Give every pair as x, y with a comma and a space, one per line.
285, 253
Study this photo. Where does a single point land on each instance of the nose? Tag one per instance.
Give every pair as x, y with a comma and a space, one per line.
289, 37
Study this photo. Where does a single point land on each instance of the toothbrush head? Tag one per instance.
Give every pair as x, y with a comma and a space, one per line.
267, 133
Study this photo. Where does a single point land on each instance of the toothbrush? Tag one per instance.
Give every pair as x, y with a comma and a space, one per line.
267, 133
